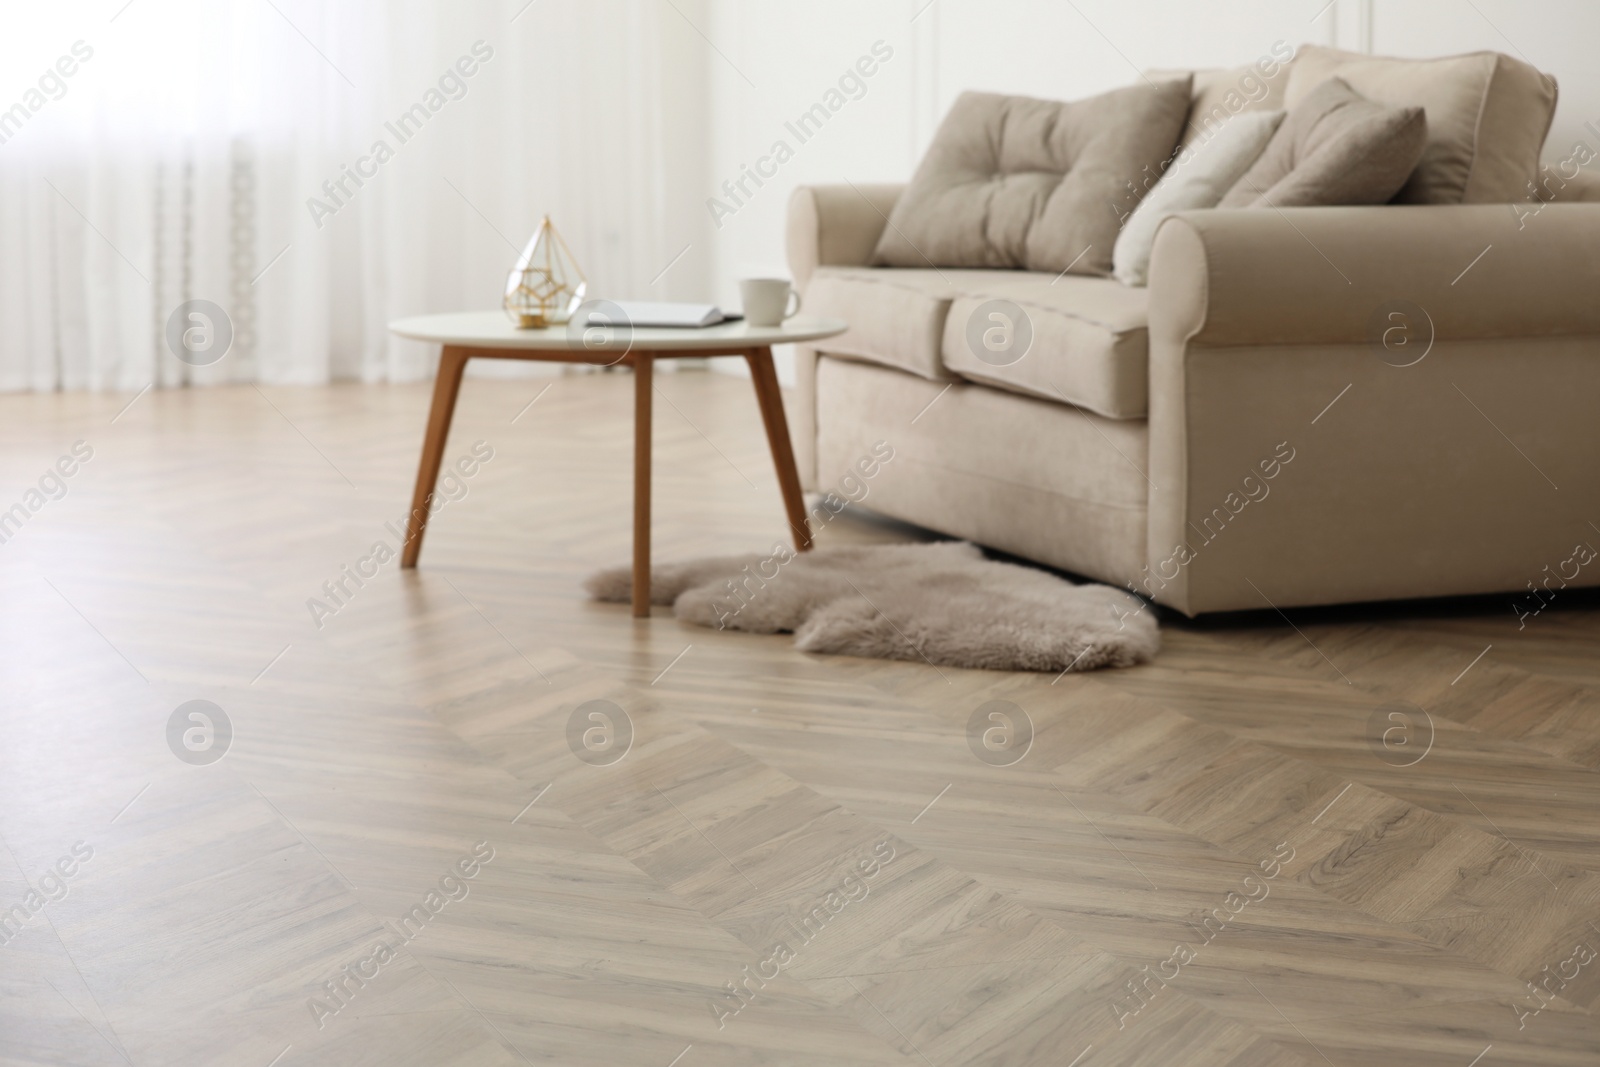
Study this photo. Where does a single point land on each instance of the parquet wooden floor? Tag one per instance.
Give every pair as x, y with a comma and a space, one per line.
412, 852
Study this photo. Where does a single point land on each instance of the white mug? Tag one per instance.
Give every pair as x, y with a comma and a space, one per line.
766, 300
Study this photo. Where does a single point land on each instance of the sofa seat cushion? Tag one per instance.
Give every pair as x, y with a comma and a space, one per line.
1088, 345
1487, 117
896, 317
1084, 337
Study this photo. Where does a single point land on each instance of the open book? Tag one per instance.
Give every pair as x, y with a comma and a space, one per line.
645, 313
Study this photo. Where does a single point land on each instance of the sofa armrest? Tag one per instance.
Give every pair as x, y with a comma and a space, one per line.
836, 225
828, 226
1370, 403
1323, 275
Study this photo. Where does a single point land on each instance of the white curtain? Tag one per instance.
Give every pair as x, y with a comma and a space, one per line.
183, 155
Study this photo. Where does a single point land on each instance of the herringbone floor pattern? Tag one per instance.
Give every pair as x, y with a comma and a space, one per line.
402, 858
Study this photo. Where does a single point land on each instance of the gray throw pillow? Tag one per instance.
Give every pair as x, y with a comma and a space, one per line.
1334, 147
1487, 117
1013, 182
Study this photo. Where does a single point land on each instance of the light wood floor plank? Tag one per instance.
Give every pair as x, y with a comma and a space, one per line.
1408, 914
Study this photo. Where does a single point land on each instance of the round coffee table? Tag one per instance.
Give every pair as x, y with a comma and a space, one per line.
489, 335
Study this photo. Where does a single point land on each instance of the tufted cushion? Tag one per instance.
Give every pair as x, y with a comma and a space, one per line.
1014, 182
1487, 117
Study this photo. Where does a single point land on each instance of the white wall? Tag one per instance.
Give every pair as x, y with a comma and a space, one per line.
768, 62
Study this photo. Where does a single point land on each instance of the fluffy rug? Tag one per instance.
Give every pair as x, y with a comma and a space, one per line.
941, 603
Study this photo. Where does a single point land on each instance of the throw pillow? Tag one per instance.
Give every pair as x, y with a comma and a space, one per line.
1334, 147
1487, 117
1014, 182
1198, 178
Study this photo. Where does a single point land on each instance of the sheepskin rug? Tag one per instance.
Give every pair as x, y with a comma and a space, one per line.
942, 603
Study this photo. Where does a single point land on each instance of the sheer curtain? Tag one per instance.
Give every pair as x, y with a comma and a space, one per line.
229, 150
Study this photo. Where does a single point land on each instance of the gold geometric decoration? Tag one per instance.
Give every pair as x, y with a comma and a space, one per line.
545, 286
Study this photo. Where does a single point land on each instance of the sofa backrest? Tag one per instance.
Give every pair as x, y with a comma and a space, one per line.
1488, 115
1580, 188
1220, 93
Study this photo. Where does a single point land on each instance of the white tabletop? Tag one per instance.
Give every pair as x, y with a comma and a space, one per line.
492, 329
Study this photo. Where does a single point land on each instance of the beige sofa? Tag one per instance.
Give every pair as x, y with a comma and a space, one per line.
1255, 428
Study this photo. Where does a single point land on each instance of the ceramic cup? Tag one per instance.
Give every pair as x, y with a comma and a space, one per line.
766, 300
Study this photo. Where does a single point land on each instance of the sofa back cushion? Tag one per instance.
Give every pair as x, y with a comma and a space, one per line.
1335, 147
1487, 117
1014, 182
1220, 93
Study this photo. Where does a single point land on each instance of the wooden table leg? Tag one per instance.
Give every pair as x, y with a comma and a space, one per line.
643, 392
770, 399
446, 387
